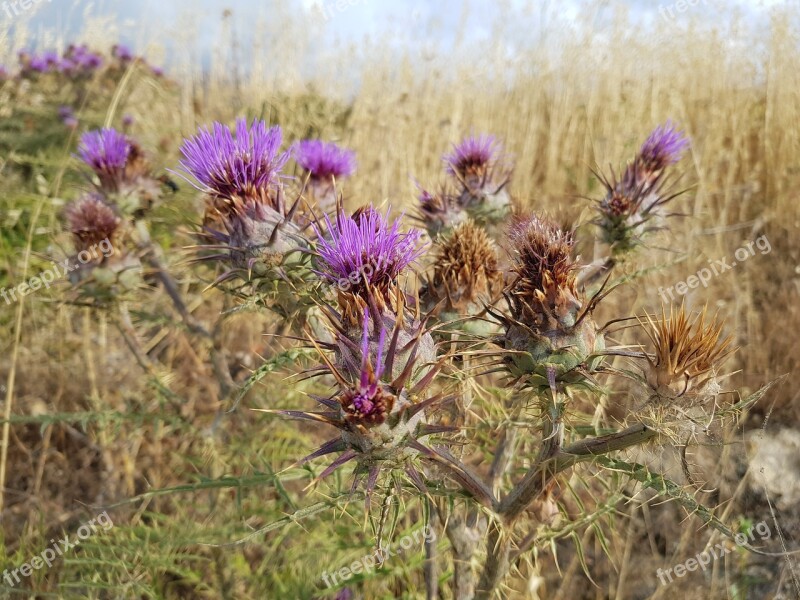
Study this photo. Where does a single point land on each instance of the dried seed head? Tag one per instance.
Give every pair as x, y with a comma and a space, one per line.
91, 221
466, 273
550, 329
688, 354
546, 274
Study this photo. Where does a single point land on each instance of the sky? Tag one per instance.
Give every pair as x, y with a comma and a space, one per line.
401, 24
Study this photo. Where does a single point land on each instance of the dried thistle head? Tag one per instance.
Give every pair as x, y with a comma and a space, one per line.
466, 274
545, 290
549, 329
687, 355
102, 268
91, 221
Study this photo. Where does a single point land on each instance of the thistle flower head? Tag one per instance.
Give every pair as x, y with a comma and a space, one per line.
633, 204
472, 157
688, 354
106, 152
91, 220
244, 164
363, 255
122, 52
665, 146
479, 166
83, 59
466, 273
542, 256
549, 330
382, 396
324, 161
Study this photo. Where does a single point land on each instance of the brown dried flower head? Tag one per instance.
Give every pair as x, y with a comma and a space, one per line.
466, 272
545, 289
688, 354
91, 220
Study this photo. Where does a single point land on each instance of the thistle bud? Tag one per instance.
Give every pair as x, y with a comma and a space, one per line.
440, 212
478, 165
633, 205
549, 328
380, 416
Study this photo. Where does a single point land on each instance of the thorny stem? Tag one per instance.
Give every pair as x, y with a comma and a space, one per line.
218, 360
498, 550
430, 567
552, 461
535, 480
465, 535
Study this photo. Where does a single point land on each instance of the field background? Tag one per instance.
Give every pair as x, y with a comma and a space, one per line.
91, 428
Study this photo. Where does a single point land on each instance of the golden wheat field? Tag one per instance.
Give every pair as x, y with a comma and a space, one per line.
357, 301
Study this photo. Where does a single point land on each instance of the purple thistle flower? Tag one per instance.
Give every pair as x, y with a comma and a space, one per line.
83, 58
105, 150
472, 155
67, 116
51, 58
38, 64
241, 164
66, 65
665, 146
366, 247
122, 52
324, 160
